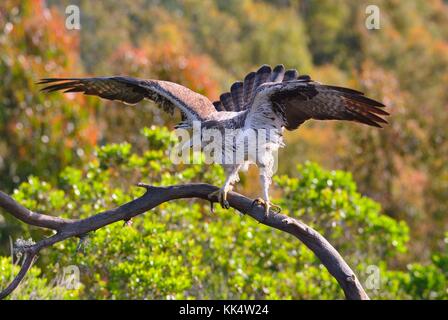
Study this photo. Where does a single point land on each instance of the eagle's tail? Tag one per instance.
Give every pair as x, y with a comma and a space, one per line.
242, 92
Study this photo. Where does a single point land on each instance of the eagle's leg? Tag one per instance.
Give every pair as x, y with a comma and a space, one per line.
265, 201
221, 193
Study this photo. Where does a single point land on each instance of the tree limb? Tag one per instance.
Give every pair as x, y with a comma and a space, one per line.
26, 265
154, 196
23, 214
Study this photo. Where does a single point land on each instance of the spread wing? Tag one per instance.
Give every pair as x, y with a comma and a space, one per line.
242, 92
298, 100
167, 95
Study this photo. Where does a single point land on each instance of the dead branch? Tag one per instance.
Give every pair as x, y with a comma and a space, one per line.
154, 196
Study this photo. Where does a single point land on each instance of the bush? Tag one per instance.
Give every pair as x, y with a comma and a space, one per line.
180, 250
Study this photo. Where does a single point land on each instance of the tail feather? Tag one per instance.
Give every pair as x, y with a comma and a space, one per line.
248, 86
237, 95
243, 92
227, 102
277, 74
290, 74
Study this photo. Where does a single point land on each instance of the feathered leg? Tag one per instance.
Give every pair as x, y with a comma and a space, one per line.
232, 177
266, 181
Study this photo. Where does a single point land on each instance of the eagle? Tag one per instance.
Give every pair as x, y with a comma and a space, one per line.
269, 101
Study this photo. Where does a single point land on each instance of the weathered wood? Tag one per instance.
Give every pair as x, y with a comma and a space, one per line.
154, 196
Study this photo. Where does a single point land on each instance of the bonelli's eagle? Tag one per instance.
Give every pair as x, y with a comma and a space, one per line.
265, 103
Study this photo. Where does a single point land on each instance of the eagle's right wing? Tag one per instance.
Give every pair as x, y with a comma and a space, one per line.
300, 98
167, 95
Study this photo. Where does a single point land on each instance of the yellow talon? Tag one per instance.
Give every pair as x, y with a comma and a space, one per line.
221, 194
267, 206
275, 208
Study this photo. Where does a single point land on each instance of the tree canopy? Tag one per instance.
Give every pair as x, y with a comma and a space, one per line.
379, 196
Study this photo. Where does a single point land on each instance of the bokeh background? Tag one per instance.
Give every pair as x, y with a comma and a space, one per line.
71, 155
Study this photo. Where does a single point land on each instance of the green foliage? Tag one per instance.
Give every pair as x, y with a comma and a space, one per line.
329, 201
206, 45
34, 286
39, 133
47, 142
180, 250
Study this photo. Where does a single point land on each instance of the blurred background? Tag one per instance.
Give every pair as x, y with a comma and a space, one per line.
206, 46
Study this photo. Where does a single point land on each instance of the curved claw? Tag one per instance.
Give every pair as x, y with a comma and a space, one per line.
213, 194
277, 209
128, 223
259, 201
267, 206
221, 194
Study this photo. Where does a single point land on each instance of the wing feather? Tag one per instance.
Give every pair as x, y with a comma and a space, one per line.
243, 92
227, 101
290, 74
302, 99
248, 86
261, 76
237, 95
277, 74
167, 95
218, 106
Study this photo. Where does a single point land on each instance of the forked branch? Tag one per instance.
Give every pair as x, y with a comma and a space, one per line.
154, 196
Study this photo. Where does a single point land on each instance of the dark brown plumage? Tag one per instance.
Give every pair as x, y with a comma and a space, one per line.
167, 95
266, 101
297, 99
311, 100
305, 100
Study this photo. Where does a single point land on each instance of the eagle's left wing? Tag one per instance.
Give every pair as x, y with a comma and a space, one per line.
301, 99
167, 95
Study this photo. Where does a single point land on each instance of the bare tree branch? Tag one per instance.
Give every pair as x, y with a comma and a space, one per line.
30, 217
29, 259
154, 196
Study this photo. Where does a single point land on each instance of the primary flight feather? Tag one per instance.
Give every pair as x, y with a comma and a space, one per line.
268, 100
